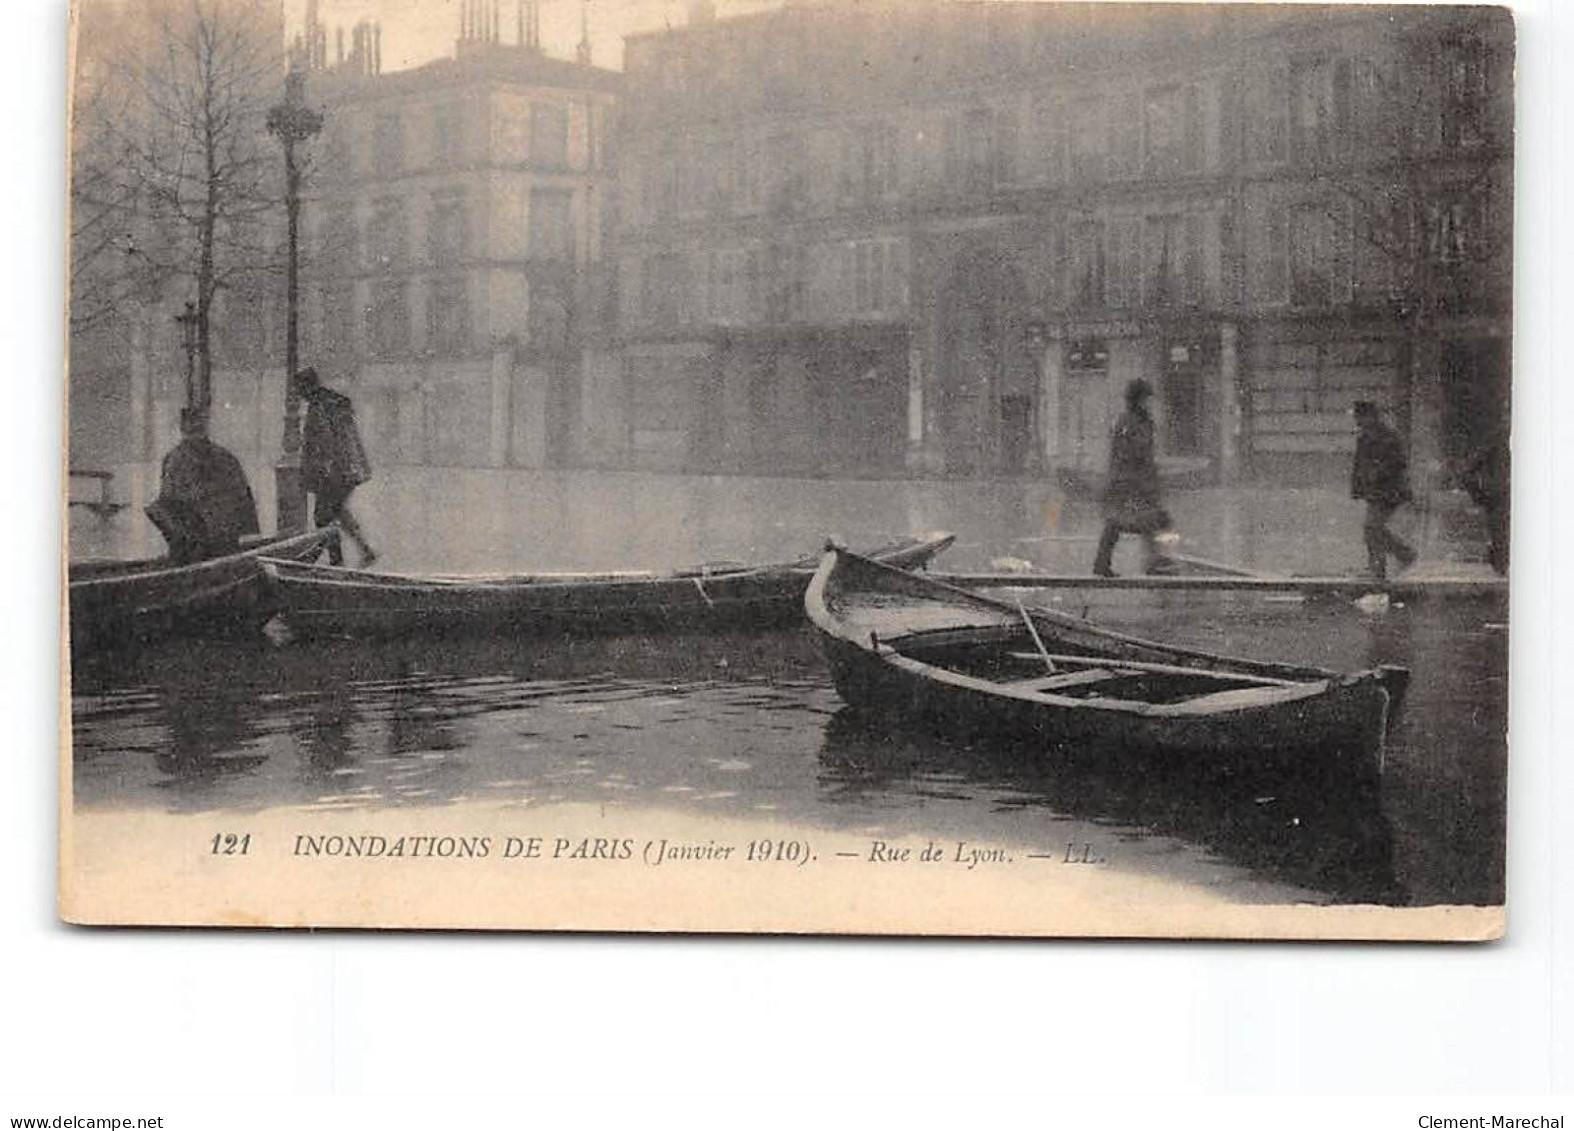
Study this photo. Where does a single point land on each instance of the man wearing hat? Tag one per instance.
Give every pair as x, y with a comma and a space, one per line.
1378, 477
1133, 503
333, 461
204, 505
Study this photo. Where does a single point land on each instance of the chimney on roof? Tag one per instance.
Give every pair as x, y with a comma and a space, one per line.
582, 52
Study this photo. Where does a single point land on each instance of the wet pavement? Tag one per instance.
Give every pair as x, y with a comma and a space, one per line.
744, 725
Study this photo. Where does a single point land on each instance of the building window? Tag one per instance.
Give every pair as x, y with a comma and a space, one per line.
751, 174
726, 287
1085, 257
338, 245
448, 317
549, 320
1198, 291
1456, 229
388, 144
754, 283
388, 319
1125, 136
1087, 142
1321, 108
721, 165
1465, 91
786, 284
849, 169
1276, 257
1164, 261
1053, 141
790, 185
447, 135
337, 156
874, 271
387, 236
663, 301
552, 225
449, 233
663, 187
1007, 145
1172, 121
1311, 257
549, 135
1271, 127
1124, 278
337, 334
867, 170
970, 146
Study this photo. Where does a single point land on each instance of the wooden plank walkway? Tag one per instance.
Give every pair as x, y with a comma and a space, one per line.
1397, 588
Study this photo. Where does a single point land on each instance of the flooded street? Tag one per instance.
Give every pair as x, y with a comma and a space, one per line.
740, 726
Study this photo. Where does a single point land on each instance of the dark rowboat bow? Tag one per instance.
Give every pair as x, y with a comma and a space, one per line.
912, 648
115, 603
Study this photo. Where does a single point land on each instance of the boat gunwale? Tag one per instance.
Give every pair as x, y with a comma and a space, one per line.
1323, 684
305, 576
108, 574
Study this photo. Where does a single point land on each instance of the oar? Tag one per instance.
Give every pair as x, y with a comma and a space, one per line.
1032, 629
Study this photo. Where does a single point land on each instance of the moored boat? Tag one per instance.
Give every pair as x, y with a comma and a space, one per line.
118, 602
910, 647
318, 600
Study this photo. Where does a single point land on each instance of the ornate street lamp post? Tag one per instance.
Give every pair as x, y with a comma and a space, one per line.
293, 123
1036, 335
188, 334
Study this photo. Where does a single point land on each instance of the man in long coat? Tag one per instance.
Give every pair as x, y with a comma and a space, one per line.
1379, 478
204, 505
1485, 475
1133, 501
333, 461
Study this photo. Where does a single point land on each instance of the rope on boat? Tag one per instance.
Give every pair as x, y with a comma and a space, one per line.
700, 585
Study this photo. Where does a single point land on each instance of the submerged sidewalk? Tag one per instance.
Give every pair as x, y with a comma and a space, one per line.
1269, 530
457, 520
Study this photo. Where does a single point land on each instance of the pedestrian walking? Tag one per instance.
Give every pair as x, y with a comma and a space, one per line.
1378, 477
333, 462
1485, 476
1133, 501
204, 506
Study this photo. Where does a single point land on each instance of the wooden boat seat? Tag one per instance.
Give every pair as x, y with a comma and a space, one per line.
1048, 683
1242, 698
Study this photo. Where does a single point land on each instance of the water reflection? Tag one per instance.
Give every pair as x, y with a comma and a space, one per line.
1318, 830
746, 723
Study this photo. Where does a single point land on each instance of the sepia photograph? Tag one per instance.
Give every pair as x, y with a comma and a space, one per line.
856, 467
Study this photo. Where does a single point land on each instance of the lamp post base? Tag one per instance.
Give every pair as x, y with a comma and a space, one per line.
290, 500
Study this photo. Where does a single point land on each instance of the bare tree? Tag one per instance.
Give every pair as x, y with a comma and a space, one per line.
107, 270
188, 184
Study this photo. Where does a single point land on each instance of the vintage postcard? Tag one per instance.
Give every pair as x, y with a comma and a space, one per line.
852, 466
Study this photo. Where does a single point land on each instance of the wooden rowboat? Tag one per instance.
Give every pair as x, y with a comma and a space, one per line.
317, 600
115, 603
911, 647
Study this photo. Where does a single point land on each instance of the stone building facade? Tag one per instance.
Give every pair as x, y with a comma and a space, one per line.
453, 231
940, 238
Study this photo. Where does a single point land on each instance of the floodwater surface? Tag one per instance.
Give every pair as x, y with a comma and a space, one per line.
747, 724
